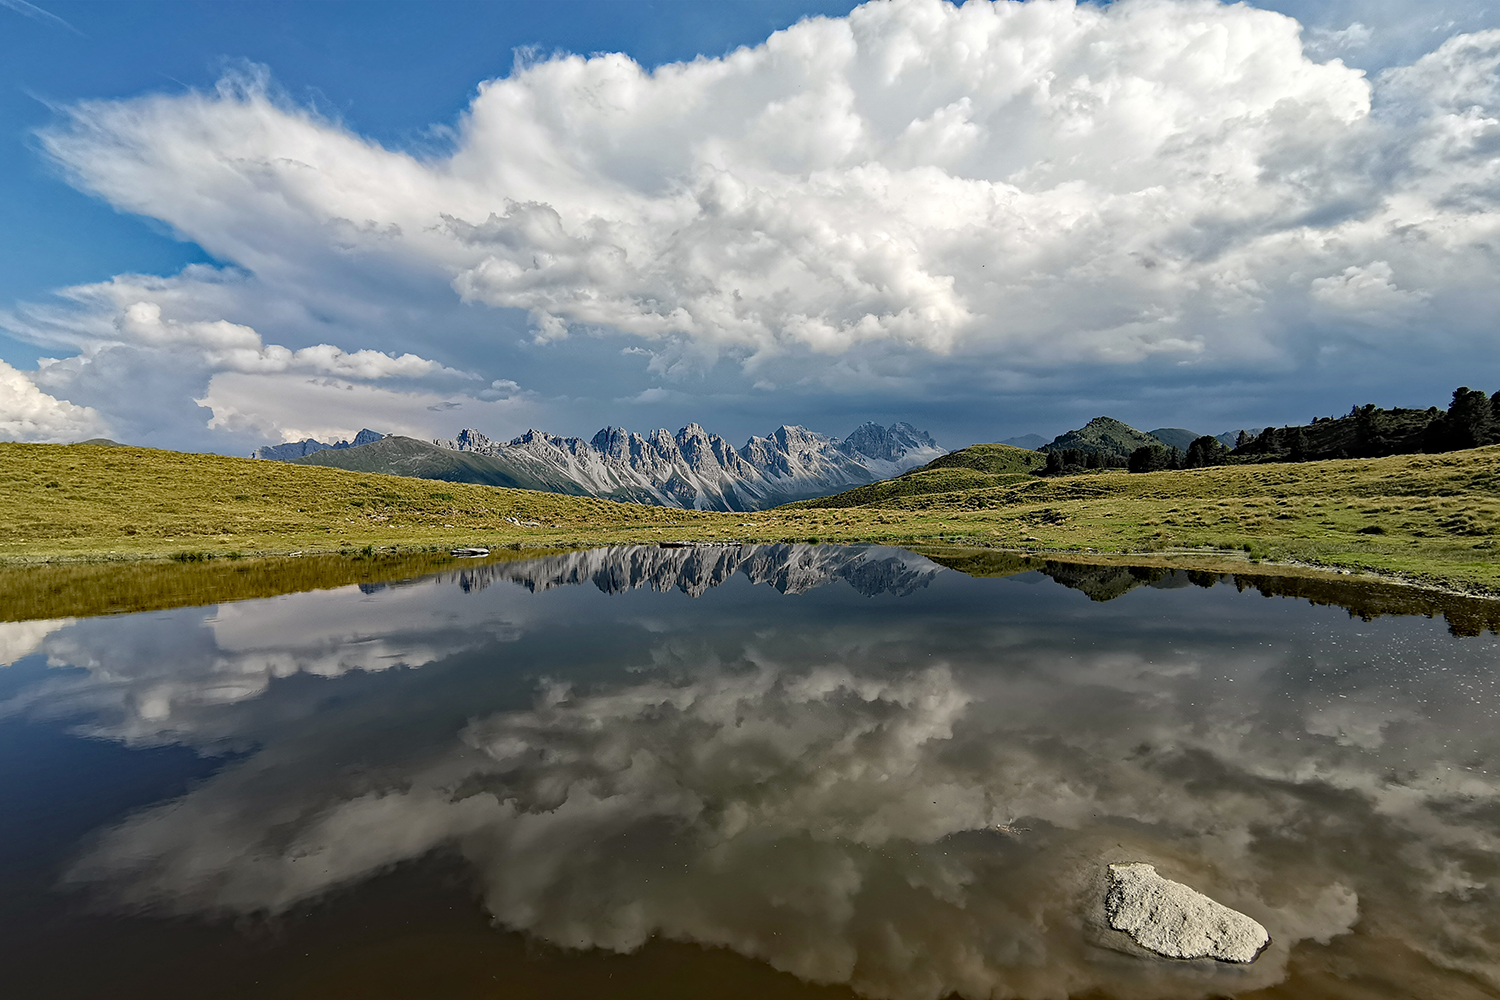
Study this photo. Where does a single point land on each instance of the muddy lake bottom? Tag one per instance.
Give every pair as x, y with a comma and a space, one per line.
747, 771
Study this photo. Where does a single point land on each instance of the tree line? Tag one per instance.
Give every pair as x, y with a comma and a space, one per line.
1472, 420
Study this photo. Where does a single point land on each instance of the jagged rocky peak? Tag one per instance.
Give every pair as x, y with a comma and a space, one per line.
618, 443
889, 444
797, 439
297, 449
694, 443
702, 450
471, 440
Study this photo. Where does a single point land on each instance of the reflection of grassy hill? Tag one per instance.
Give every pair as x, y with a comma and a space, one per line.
404, 456
79, 589
1102, 583
1367, 599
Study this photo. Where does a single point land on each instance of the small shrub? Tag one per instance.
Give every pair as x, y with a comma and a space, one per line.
1371, 529
440, 496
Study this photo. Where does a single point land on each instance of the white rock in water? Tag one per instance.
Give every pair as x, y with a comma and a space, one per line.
1170, 919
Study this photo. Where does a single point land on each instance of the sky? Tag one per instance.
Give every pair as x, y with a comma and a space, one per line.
231, 224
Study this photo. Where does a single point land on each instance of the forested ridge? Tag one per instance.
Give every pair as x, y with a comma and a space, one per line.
1471, 420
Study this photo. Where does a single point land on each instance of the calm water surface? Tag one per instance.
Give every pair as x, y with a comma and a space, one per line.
768, 771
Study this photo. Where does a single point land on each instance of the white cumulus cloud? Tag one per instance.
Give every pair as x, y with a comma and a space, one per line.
239, 348
292, 407
29, 414
136, 322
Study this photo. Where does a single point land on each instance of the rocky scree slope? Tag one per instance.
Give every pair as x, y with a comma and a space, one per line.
404, 456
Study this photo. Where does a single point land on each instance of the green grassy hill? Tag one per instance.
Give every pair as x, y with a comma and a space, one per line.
912, 484
976, 467
1434, 517
1105, 436
84, 500
999, 459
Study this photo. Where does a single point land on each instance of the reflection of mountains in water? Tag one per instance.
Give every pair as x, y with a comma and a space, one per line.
791, 569
877, 569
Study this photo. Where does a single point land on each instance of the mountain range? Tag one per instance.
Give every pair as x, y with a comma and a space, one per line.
298, 449
691, 469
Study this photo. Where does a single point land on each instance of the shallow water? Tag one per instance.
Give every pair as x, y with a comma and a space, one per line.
777, 770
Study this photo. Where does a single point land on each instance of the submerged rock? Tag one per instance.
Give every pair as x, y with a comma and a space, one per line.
1174, 921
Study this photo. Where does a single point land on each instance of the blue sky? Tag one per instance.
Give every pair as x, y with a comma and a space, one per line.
1287, 283
393, 71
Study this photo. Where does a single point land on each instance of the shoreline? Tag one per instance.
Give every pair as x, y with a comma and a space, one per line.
1427, 522
400, 560
1205, 559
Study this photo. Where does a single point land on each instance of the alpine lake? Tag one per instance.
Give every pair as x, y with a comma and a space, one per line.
748, 771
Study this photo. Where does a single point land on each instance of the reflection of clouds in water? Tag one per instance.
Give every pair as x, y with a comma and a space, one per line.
826, 806
20, 639
144, 682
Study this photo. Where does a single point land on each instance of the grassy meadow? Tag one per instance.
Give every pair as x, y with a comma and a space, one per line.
1432, 518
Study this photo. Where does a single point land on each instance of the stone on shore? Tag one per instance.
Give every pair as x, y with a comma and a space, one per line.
1174, 921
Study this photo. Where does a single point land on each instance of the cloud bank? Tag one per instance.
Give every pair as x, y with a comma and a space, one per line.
917, 194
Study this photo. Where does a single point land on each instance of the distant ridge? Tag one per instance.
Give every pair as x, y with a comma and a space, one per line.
690, 469
1031, 442
1175, 437
300, 449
